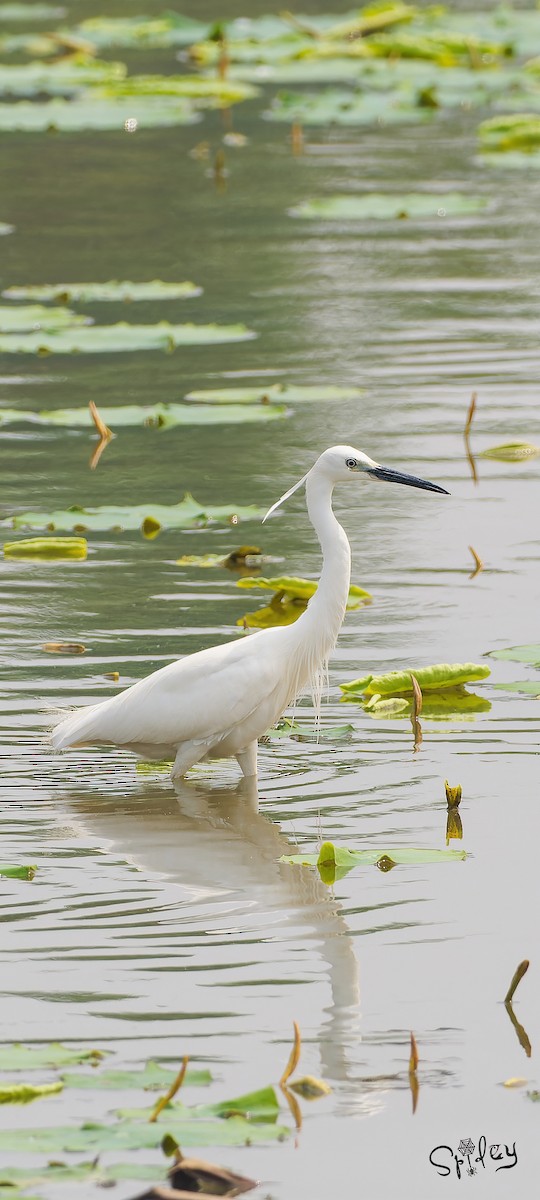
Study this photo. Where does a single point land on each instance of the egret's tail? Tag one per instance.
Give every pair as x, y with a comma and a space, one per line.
76, 729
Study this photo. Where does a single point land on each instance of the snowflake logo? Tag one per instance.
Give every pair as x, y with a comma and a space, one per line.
466, 1146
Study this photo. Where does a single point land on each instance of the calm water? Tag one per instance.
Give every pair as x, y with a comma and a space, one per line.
161, 924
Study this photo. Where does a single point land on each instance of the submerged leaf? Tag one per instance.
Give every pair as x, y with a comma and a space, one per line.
282, 393
512, 452
101, 339
90, 293
62, 547
187, 514
23, 1093
13, 872
435, 678
380, 206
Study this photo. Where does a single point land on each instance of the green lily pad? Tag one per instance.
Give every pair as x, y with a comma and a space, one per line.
16, 1057
210, 92
516, 131
153, 1077
526, 654
289, 600
14, 872
334, 862
150, 518
276, 393
237, 1131
30, 317
23, 1093
512, 452
91, 293
341, 107
435, 678
140, 33
31, 12
521, 685
55, 548
93, 111
112, 339
258, 1106
62, 78
158, 416
386, 207
20, 1178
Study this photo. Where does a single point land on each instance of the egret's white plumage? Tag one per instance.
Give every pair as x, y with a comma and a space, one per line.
218, 702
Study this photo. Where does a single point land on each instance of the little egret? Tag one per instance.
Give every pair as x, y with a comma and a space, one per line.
218, 702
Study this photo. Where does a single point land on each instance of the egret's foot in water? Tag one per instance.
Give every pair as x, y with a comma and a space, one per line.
247, 760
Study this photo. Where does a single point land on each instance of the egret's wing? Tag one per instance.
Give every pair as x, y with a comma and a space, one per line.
198, 698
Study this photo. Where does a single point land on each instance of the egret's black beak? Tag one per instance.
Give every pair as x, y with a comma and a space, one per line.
391, 476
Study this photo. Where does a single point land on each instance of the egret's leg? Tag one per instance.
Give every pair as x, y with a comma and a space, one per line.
186, 757
247, 760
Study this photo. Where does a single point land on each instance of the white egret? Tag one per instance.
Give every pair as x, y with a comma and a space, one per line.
218, 702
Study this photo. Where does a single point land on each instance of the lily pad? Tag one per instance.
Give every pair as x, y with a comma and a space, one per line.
526, 654
237, 1131
56, 548
157, 416
112, 339
17, 1057
340, 107
516, 131
23, 1093
258, 1106
275, 393
62, 78
334, 862
91, 293
512, 452
8, 871
140, 33
94, 1173
208, 92
521, 685
150, 518
92, 111
379, 206
153, 1077
29, 317
435, 678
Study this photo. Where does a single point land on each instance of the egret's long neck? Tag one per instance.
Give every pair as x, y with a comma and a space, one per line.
316, 632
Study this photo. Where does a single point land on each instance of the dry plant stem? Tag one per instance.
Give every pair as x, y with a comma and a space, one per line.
174, 1088
521, 1032
519, 972
466, 432
295, 1110
415, 714
479, 565
105, 435
294, 1056
413, 1078
297, 138
413, 1060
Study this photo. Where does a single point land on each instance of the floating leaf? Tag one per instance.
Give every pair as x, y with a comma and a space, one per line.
108, 339
21, 1178
287, 727
381, 206
237, 1131
114, 290
309, 1088
289, 600
208, 92
23, 1093
341, 107
17, 318
12, 872
258, 1106
62, 547
187, 514
92, 111
140, 33
435, 678
157, 416
512, 452
61, 78
16, 1057
514, 131
521, 685
334, 862
276, 393
195, 1175
154, 1077
525, 654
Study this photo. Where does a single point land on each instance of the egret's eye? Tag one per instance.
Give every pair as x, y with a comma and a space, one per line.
351, 463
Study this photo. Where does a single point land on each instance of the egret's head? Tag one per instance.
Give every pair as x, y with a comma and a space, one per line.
342, 463
339, 464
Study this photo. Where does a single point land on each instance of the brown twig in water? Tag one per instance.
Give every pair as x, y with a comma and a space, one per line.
174, 1088
105, 435
479, 565
297, 138
413, 1078
415, 714
294, 1056
466, 432
519, 972
521, 1032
